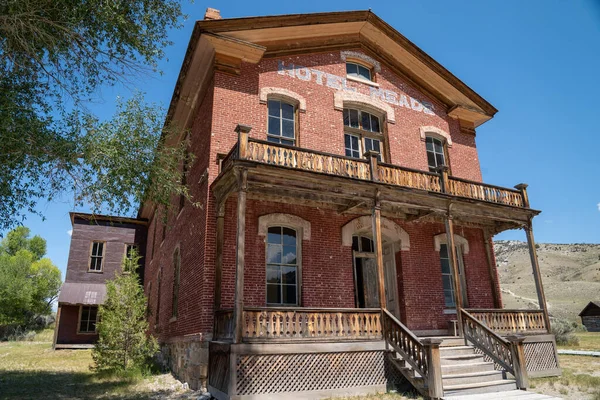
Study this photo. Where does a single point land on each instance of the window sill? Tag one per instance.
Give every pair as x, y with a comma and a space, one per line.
94, 272
87, 333
450, 311
365, 81
173, 319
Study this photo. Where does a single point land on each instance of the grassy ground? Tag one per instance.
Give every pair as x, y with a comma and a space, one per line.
32, 370
580, 379
587, 341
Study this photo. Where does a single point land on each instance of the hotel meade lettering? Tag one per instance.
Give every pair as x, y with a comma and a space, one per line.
340, 83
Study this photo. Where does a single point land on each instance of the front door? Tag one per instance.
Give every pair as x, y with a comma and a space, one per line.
391, 286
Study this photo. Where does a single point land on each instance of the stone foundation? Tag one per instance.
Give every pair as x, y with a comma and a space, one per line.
187, 358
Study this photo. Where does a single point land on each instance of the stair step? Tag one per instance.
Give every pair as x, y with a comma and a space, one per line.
461, 359
456, 350
509, 395
481, 387
467, 368
471, 377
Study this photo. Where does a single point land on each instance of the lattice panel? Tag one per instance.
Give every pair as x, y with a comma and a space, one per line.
487, 358
309, 371
540, 356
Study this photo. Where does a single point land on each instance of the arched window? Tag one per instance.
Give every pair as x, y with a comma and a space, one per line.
176, 279
282, 266
282, 122
360, 71
362, 132
436, 153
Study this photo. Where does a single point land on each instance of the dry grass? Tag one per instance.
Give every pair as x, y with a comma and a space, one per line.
587, 341
382, 396
580, 379
32, 370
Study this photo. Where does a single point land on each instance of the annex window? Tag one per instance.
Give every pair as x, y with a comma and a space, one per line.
131, 250
158, 286
282, 123
176, 278
96, 255
358, 71
448, 279
282, 266
436, 154
362, 133
87, 319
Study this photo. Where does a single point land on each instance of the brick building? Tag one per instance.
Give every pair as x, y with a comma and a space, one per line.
342, 213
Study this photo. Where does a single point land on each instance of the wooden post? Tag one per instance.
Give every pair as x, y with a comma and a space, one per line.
519, 364
56, 323
242, 131
379, 250
537, 276
522, 187
455, 273
434, 368
372, 156
443, 171
238, 309
219, 260
493, 273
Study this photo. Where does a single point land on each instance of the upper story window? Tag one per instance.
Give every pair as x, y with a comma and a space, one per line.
362, 132
282, 266
359, 71
96, 256
282, 123
436, 153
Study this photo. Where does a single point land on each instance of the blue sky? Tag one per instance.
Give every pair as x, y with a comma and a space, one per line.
537, 62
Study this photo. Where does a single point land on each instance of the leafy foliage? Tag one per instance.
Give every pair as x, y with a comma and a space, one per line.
123, 343
54, 56
29, 283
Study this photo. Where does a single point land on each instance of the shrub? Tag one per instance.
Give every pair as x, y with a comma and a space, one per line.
564, 330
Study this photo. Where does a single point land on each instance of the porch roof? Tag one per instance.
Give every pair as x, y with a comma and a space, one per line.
82, 293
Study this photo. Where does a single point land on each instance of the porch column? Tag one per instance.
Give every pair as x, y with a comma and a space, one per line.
379, 250
455, 273
238, 310
56, 323
493, 273
219, 257
537, 276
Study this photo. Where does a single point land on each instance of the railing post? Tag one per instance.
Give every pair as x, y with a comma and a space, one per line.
518, 358
373, 161
443, 171
434, 367
522, 187
242, 131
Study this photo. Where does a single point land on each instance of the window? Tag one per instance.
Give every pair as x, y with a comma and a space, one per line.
176, 272
96, 256
282, 266
87, 319
435, 153
130, 250
158, 285
282, 123
358, 71
448, 279
362, 133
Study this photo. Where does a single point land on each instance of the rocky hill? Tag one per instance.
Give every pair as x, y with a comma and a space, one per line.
570, 273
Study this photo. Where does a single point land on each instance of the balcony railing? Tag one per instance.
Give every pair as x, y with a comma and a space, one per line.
508, 322
296, 158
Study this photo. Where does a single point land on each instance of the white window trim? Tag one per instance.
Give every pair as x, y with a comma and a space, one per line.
275, 93
442, 238
302, 226
101, 270
376, 65
389, 230
79, 332
342, 99
436, 133
299, 238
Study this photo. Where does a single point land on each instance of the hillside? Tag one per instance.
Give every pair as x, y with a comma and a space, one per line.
570, 273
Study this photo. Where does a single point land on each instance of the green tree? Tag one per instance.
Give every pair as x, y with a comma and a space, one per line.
29, 283
55, 55
123, 343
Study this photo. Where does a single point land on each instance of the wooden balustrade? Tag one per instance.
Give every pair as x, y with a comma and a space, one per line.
223, 327
481, 191
394, 175
271, 324
492, 344
511, 321
229, 158
402, 340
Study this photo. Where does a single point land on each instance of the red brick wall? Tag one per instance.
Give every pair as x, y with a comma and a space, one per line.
67, 328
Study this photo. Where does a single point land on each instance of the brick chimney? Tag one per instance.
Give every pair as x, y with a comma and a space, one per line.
212, 13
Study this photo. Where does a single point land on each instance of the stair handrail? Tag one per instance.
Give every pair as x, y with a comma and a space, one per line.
488, 341
406, 343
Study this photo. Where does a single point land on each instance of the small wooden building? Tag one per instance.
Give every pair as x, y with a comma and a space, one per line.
590, 316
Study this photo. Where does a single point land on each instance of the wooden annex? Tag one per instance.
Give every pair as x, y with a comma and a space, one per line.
590, 316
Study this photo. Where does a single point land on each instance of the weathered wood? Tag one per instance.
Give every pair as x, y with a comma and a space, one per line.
492, 271
219, 256
379, 251
519, 364
403, 341
511, 321
522, 188
434, 362
482, 191
240, 245
56, 325
537, 276
372, 155
224, 328
458, 300
242, 131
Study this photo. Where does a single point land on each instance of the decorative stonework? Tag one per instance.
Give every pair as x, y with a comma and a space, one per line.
280, 219
283, 94
363, 57
343, 99
390, 231
442, 238
187, 358
436, 132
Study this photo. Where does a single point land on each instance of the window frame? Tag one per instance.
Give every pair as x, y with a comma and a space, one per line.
299, 236
101, 270
444, 153
87, 332
461, 276
370, 79
295, 140
176, 284
366, 134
